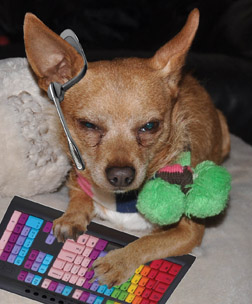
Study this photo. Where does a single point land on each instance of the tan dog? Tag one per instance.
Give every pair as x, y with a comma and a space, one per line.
129, 118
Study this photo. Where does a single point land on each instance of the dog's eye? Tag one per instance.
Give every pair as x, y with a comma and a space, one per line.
87, 125
150, 126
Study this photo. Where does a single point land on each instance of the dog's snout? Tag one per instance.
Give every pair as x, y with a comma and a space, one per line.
120, 176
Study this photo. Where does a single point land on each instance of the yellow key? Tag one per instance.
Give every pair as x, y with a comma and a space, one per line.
136, 278
132, 288
139, 269
130, 298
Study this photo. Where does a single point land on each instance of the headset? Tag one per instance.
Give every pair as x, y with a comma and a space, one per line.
56, 92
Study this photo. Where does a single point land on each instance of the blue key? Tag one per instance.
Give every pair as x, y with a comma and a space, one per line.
42, 268
102, 289
98, 300
28, 242
36, 280
66, 291
23, 251
109, 291
48, 258
19, 260
33, 233
34, 222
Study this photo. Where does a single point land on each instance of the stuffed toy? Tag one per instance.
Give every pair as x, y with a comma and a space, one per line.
179, 190
31, 158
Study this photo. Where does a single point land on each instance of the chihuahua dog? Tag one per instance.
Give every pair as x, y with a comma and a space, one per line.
129, 118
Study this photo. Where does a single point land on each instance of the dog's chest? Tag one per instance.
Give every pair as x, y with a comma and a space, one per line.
120, 210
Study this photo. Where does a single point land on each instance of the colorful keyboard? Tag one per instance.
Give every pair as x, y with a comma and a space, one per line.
33, 264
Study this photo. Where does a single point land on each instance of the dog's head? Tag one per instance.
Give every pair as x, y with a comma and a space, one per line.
120, 113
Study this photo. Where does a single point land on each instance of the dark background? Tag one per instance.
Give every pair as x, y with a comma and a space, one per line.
220, 57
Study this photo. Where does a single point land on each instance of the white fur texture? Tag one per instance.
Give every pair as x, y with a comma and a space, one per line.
31, 159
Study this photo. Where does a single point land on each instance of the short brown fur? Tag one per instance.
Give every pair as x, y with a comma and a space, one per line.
119, 97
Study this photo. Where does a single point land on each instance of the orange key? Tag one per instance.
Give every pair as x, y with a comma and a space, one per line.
145, 271
139, 290
143, 281
137, 300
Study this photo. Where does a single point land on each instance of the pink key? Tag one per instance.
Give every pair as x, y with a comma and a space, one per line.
82, 271
86, 262
13, 221
78, 259
77, 293
82, 239
87, 251
68, 267
56, 273
66, 276
73, 279
75, 269
73, 247
80, 281
59, 264
46, 283
92, 241
4, 239
67, 255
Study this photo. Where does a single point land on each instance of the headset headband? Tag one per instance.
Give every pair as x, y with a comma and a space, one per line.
56, 93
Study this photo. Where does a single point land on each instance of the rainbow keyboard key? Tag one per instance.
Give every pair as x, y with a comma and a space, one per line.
35, 265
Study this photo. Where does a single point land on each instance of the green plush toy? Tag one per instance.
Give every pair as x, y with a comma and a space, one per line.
179, 190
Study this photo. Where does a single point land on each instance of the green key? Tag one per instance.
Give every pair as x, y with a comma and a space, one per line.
115, 293
125, 286
123, 295
110, 302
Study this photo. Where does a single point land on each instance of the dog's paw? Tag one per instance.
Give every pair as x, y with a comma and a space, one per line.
70, 226
114, 269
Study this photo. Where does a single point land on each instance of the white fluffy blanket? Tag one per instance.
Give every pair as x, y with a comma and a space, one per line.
222, 272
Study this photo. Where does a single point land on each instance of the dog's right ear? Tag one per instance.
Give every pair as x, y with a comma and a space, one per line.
51, 57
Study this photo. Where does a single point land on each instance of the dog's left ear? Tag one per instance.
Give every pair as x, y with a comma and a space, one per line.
50, 56
170, 58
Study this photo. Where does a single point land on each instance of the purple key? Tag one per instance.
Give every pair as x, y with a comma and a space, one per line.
94, 286
86, 285
28, 264
22, 275
23, 218
50, 239
20, 240
13, 237
12, 258
101, 244
4, 256
53, 286
35, 266
16, 249
94, 254
18, 228
91, 263
29, 277
91, 299
33, 255
60, 288
84, 296
102, 254
25, 230
89, 274
40, 257
8, 247
48, 226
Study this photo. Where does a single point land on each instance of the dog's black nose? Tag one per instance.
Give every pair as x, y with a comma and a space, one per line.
120, 176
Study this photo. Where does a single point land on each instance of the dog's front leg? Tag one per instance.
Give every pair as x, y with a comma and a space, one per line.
118, 265
78, 215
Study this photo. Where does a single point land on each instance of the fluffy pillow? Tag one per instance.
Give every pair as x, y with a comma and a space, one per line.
31, 158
